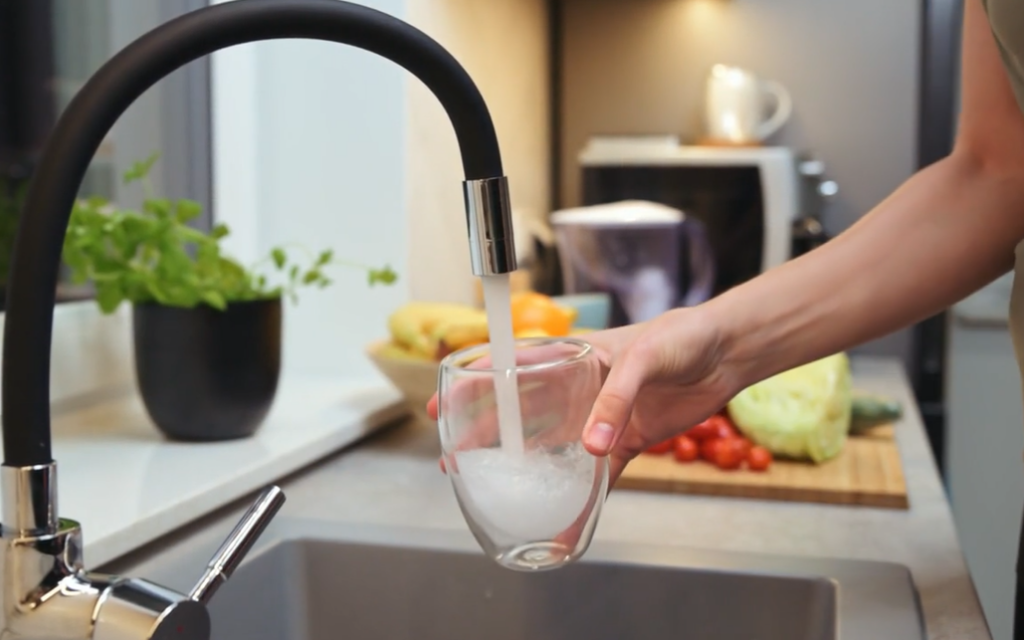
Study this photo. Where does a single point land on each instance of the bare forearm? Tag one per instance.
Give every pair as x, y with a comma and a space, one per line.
946, 232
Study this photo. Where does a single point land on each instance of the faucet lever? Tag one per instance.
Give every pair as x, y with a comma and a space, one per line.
238, 544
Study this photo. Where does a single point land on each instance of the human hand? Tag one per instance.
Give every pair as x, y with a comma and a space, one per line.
664, 376
661, 378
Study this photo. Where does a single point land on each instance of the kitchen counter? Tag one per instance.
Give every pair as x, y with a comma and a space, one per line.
128, 485
393, 479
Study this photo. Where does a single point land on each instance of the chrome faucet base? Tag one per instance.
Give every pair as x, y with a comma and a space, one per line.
29, 499
44, 585
48, 594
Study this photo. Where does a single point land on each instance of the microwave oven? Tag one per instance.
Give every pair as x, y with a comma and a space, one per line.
747, 198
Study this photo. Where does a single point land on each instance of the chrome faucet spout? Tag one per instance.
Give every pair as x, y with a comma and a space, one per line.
40, 554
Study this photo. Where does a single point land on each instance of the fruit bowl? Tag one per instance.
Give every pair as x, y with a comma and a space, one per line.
416, 377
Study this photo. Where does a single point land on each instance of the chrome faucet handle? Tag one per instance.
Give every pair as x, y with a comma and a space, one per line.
47, 594
238, 543
134, 609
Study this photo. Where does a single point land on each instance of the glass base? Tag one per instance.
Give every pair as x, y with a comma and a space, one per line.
536, 556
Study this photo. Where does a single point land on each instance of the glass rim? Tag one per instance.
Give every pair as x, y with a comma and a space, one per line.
451, 361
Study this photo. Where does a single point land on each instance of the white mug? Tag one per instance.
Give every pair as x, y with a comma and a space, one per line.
736, 106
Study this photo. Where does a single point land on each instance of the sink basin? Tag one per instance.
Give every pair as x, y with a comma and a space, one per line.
312, 581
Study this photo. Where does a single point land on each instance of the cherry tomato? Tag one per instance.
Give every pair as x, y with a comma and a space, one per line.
703, 431
759, 459
661, 447
708, 448
685, 449
722, 426
744, 445
729, 453
725, 430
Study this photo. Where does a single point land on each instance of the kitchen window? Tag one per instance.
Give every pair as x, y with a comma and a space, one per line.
48, 50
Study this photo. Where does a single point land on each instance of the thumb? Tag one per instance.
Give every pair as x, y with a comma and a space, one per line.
614, 404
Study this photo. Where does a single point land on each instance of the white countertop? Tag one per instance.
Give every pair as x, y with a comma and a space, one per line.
127, 484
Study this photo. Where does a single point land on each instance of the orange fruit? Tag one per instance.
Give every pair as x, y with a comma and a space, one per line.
533, 311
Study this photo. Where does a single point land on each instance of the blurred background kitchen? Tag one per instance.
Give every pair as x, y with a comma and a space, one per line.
658, 150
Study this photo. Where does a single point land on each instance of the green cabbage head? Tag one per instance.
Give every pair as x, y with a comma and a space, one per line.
803, 413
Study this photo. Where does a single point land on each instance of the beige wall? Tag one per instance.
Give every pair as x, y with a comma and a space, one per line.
851, 67
638, 66
503, 45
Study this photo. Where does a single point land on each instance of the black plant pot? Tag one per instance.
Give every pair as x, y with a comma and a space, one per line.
206, 374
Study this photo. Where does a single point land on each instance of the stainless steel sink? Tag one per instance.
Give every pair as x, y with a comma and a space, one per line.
314, 581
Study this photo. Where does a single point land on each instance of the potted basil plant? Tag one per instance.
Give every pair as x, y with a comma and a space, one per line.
207, 331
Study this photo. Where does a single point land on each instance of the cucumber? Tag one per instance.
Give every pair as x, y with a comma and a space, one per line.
868, 411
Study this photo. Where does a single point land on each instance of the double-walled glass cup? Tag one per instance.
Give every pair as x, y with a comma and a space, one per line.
531, 495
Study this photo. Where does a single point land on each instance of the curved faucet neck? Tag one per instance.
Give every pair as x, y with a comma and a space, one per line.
98, 105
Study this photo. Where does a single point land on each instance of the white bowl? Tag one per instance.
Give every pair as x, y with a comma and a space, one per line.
415, 379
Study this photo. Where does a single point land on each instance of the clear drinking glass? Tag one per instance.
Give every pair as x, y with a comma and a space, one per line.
532, 500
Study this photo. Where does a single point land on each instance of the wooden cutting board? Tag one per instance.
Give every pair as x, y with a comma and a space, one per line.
868, 472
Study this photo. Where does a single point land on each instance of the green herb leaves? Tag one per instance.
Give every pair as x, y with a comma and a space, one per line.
154, 256
279, 257
148, 256
140, 170
382, 276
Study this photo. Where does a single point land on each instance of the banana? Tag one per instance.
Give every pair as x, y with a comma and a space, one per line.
532, 333
396, 351
459, 333
421, 327
431, 330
